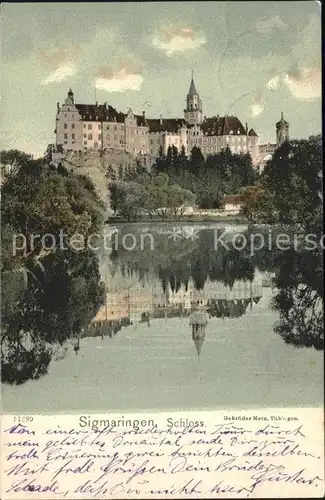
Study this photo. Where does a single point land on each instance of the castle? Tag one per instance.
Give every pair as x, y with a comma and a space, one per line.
82, 127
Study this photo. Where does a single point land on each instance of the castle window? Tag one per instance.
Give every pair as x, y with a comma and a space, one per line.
115, 127
90, 126
90, 136
65, 125
65, 136
72, 116
73, 142
72, 125
99, 137
73, 136
85, 143
85, 125
85, 136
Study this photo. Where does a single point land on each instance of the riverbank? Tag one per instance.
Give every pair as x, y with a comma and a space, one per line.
237, 219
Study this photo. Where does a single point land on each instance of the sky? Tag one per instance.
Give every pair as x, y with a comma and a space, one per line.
249, 59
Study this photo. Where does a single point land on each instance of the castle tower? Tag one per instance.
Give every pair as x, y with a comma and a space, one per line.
193, 111
70, 99
282, 131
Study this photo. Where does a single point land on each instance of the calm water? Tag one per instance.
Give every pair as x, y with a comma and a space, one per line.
236, 359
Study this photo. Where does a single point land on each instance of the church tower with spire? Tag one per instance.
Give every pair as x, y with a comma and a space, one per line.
193, 111
282, 131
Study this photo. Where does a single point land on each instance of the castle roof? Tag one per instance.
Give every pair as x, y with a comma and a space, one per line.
165, 124
100, 113
192, 90
223, 125
252, 133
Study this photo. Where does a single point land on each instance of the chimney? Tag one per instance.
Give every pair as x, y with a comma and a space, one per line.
96, 104
205, 118
217, 117
143, 114
161, 120
246, 128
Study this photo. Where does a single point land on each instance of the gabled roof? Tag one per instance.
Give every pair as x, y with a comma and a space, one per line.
99, 112
252, 132
168, 124
223, 125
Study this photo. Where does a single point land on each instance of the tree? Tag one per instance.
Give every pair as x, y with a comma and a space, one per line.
156, 195
258, 205
51, 293
41, 201
126, 198
179, 200
196, 163
12, 160
289, 194
294, 178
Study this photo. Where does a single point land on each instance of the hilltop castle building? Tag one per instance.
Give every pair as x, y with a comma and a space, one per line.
82, 127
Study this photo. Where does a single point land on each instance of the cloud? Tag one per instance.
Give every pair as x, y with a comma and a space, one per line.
273, 81
61, 62
257, 107
304, 83
268, 25
127, 78
61, 73
174, 40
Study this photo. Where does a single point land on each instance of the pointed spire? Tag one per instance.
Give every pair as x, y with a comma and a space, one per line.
281, 115
192, 90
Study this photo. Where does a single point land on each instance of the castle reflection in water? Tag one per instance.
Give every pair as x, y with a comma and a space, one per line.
138, 303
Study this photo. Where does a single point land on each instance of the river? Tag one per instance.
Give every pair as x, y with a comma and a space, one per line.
239, 361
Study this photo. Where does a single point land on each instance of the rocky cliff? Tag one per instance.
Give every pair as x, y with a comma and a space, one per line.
95, 164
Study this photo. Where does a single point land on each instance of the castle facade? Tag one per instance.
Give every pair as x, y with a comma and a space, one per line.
82, 127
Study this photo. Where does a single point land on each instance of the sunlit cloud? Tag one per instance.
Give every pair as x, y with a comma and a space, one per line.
257, 107
173, 40
304, 83
61, 62
127, 78
273, 81
270, 24
62, 73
